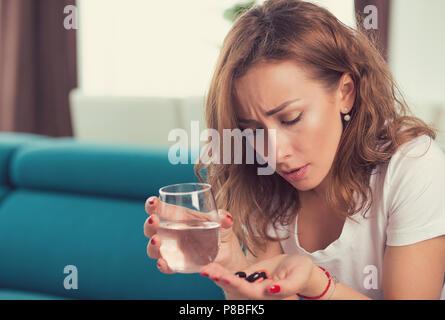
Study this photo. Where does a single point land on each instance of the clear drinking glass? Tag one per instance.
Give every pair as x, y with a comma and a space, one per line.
189, 226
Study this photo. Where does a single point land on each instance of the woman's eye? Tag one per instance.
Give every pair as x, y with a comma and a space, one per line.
288, 123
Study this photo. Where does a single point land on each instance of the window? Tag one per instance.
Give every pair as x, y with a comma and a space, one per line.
156, 48
140, 47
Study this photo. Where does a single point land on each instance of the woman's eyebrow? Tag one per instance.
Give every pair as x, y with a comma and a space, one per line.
271, 112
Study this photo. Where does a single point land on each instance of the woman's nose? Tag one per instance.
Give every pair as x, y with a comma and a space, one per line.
279, 143
283, 147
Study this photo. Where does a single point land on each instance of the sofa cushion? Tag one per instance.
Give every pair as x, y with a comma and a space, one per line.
3, 191
96, 169
42, 232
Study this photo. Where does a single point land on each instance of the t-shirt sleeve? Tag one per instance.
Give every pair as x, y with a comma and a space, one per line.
416, 193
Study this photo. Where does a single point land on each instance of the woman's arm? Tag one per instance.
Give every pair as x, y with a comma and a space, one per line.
409, 272
318, 282
414, 271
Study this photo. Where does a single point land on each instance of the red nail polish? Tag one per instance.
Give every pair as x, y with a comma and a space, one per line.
231, 219
225, 280
274, 289
215, 279
153, 241
150, 220
151, 201
204, 274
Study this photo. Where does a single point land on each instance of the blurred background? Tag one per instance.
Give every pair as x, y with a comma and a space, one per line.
129, 71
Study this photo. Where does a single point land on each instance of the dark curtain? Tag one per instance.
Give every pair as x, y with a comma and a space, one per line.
381, 34
37, 67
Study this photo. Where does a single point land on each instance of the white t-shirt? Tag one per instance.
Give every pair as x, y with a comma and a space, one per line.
408, 207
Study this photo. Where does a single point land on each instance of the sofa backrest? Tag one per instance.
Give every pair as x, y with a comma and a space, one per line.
9, 144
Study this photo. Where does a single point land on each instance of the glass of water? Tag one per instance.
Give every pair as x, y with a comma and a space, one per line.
189, 226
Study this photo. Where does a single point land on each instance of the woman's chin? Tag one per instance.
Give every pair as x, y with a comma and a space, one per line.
299, 185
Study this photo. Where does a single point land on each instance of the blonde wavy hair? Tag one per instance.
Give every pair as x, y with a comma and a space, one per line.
326, 48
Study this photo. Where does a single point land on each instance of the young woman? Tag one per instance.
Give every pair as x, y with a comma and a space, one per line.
364, 216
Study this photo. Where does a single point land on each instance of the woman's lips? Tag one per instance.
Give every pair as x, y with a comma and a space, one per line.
297, 174
290, 171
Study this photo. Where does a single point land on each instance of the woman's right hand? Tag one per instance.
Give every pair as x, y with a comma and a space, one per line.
225, 253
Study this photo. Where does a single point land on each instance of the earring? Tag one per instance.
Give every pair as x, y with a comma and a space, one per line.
347, 117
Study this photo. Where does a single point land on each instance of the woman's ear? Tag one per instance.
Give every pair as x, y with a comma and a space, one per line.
346, 91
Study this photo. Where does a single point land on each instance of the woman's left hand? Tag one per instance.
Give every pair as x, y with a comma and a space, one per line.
288, 275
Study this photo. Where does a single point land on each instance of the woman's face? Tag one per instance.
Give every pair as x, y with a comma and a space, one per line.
308, 124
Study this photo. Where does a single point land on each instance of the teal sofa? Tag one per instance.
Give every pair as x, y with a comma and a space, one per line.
69, 203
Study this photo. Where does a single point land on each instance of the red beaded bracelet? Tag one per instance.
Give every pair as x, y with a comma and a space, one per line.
323, 293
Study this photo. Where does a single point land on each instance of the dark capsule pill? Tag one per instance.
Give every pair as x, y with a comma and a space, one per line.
256, 275
241, 274
253, 277
263, 275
